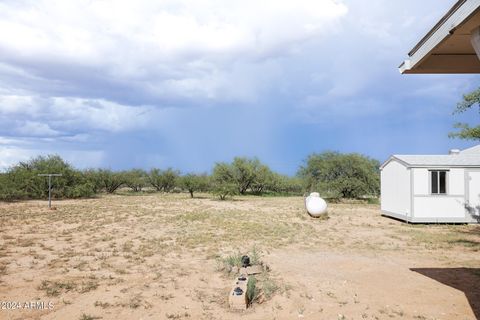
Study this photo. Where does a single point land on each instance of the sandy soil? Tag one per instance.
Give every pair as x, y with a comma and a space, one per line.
159, 256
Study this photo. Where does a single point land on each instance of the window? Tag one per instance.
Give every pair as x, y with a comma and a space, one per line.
438, 182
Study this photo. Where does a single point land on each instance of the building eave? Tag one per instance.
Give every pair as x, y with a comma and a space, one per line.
446, 48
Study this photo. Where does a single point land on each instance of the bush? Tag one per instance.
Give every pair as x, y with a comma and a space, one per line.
337, 175
84, 190
224, 189
106, 180
193, 182
245, 171
22, 181
223, 181
8, 190
92, 176
250, 175
135, 179
163, 180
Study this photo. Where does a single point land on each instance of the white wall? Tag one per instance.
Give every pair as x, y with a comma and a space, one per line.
433, 207
456, 183
437, 207
395, 188
421, 179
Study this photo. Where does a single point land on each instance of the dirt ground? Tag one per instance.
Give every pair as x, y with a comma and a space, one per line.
157, 256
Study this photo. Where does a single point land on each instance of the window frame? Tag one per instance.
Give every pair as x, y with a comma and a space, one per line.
430, 186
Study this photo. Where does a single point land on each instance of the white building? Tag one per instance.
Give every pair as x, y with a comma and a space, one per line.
441, 188
432, 188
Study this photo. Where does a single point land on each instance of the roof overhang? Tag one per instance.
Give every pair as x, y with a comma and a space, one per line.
447, 48
393, 158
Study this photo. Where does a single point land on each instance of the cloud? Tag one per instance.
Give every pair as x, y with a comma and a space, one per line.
187, 83
59, 116
31, 128
150, 52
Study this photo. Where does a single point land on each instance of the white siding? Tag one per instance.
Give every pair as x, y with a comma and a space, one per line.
456, 182
395, 189
436, 208
439, 208
420, 181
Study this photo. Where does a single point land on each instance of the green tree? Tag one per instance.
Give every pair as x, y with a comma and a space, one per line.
244, 172
23, 179
194, 182
109, 180
223, 183
8, 190
337, 175
264, 180
163, 180
286, 185
135, 179
93, 178
466, 131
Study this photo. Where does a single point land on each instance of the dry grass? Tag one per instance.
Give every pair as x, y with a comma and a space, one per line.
130, 252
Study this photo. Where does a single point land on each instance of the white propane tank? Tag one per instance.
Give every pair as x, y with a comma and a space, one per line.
315, 205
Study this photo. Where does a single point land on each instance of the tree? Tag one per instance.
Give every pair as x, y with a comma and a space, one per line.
163, 180
244, 172
249, 175
8, 190
223, 181
109, 180
94, 179
284, 184
193, 182
135, 179
264, 180
338, 175
466, 131
23, 181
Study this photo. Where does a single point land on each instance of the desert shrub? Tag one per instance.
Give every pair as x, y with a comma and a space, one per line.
248, 176
224, 189
93, 177
337, 175
108, 180
223, 182
283, 185
264, 179
135, 179
8, 190
194, 183
81, 190
22, 181
163, 180
245, 171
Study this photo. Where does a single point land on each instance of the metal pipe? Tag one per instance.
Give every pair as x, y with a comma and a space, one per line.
50, 192
50, 175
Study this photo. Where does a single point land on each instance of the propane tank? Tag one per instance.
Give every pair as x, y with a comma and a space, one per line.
315, 205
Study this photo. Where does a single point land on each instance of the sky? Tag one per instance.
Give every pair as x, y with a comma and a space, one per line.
175, 83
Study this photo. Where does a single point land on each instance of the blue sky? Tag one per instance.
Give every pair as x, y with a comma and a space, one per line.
123, 84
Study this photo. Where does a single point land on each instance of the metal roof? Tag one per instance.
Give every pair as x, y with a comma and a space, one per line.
472, 150
447, 47
459, 160
466, 158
